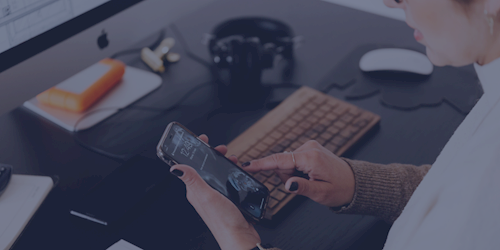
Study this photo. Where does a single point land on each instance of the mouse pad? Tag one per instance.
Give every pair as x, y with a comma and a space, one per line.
457, 87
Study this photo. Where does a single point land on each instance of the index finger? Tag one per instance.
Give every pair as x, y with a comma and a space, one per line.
279, 161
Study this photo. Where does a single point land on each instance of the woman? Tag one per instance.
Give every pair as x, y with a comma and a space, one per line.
456, 205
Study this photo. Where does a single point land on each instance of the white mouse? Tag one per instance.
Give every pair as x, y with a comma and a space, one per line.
397, 60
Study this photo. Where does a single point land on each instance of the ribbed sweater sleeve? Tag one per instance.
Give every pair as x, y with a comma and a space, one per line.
382, 190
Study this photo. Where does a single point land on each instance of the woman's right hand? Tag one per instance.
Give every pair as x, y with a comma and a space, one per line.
331, 180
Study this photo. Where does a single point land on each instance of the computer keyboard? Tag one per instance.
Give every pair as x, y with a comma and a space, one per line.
305, 115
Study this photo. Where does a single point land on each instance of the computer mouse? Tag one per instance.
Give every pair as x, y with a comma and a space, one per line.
394, 59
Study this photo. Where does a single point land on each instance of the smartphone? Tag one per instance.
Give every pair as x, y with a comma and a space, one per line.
178, 145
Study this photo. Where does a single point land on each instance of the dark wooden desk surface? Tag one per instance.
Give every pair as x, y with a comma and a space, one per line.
35, 146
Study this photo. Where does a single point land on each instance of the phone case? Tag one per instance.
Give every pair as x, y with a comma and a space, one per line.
172, 162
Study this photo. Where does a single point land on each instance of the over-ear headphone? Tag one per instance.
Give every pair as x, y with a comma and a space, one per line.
241, 48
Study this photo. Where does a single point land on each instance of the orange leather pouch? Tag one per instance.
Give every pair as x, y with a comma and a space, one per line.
81, 91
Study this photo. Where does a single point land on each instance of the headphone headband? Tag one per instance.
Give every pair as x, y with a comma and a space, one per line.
268, 30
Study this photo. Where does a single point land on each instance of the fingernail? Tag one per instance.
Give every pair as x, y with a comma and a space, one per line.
233, 155
177, 172
294, 186
246, 164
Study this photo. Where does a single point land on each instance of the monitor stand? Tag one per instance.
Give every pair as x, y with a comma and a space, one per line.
135, 84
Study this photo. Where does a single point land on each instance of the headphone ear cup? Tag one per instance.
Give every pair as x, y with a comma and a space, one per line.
268, 54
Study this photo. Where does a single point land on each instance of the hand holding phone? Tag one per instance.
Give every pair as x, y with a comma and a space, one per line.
180, 146
223, 218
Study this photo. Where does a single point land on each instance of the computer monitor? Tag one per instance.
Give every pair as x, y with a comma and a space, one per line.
43, 42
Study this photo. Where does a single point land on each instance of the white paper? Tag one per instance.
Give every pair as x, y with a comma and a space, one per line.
372, 6
123, 245
80, 82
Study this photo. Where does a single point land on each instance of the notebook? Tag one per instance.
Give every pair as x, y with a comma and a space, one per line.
21, 199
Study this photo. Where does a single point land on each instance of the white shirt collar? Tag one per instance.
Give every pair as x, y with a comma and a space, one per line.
489, 75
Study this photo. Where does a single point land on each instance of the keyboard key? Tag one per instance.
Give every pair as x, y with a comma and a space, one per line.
303, 139
311, 106
319, 128
291, 136
312, 134
339, 141
326, 135
282, 188
298, 117
304, 112
312, 119
331, 117
340, 110
260, 178
305, 125
347, 118
298, 130
324, 108
354, 112
339, 124
276, 135
319, 99
284, 129
346, 133
321, 140
291, 123
278, 195
319, 113
285, 143
325, 122
333, 130
267, 173
332, 102
253, 153
272, 203
353, 129
267, 153
296, 145
261, 147
275, 180
332, 147
277, 149
269, 140
269, 186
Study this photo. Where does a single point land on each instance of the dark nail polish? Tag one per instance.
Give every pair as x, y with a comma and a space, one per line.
294, 186
177, 172
246, 164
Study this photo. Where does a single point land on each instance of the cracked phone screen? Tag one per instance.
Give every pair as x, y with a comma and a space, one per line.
216, 170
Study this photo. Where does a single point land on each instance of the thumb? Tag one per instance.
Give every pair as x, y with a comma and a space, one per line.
190, 177
312, 189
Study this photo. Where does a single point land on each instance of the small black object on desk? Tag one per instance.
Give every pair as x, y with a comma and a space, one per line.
5, 174
241, 49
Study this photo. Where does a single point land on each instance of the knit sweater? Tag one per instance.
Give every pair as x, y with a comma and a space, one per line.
382, 190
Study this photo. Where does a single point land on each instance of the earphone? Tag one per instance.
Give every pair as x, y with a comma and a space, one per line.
242, 48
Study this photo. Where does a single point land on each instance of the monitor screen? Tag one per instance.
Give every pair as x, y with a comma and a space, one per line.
28, 27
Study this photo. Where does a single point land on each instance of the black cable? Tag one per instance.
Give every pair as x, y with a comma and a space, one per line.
159, 110
187, 50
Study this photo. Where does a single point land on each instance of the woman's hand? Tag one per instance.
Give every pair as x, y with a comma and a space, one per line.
225, 221
331, 180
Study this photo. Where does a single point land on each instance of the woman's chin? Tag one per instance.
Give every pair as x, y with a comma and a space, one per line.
435, 59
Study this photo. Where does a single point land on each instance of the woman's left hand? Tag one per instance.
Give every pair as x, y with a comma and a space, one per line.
225, 221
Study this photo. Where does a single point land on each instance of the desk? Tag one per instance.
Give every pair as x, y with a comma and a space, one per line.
35, 146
